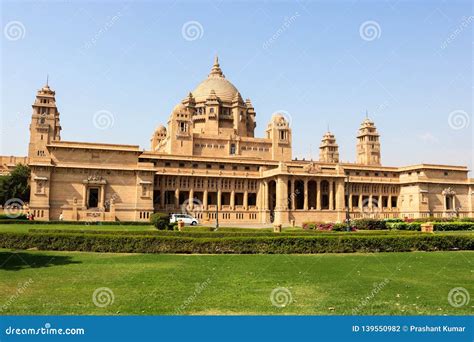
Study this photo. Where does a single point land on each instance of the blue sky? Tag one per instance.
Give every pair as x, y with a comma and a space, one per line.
411, 69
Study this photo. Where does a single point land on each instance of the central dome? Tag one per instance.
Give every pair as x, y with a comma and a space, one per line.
216, 81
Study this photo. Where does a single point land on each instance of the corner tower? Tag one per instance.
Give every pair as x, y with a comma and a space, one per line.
44, 127
368, 144
329, 150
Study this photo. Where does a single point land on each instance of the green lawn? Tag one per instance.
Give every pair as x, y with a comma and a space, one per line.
64, 282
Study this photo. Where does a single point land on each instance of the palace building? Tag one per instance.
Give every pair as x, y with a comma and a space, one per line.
207, 161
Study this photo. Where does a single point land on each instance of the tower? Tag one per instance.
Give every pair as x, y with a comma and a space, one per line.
44, 127
368, 143
329, 150
279, 131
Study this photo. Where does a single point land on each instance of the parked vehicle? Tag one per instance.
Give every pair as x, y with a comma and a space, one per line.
187, 219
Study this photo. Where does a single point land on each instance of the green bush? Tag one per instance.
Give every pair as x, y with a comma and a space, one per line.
77, 223
339, 227
21, 217
437, 226
404, 225
369, 224
160, 220
387, 220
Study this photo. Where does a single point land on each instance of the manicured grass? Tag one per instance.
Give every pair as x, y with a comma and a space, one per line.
64, 282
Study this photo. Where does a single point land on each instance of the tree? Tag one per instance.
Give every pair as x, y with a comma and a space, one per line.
16, 184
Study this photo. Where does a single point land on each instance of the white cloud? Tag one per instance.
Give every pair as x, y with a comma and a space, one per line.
427, 137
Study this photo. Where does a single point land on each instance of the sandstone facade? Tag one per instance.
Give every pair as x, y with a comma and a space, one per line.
208, 162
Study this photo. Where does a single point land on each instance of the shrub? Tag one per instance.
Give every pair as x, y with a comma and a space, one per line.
324, 226
339, 227
369, 224
236, 245
387, 220
405, 225
160, 220
21, 217
309, 225
438, 226
78, 223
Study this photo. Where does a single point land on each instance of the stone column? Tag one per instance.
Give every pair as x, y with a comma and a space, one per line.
318, 195
349, 199
370, 201
191, 199
204, 199
380, 202
305, 203
266, 194
102, 197
293, 194
389, 204
340, 194
281, 215
176, 198
331, 195
361, 205
246, 194
232, 199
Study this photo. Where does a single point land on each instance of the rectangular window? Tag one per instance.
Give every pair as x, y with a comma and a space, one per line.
93, 200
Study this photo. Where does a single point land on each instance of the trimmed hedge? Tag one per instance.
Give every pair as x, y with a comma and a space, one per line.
437, 226
21, 217
369, 224
235, 245
218, 234
78, 223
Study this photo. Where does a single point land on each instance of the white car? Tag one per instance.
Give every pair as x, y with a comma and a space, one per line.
187, 219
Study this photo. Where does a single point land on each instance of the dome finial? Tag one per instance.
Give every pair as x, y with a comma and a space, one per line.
216, 69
